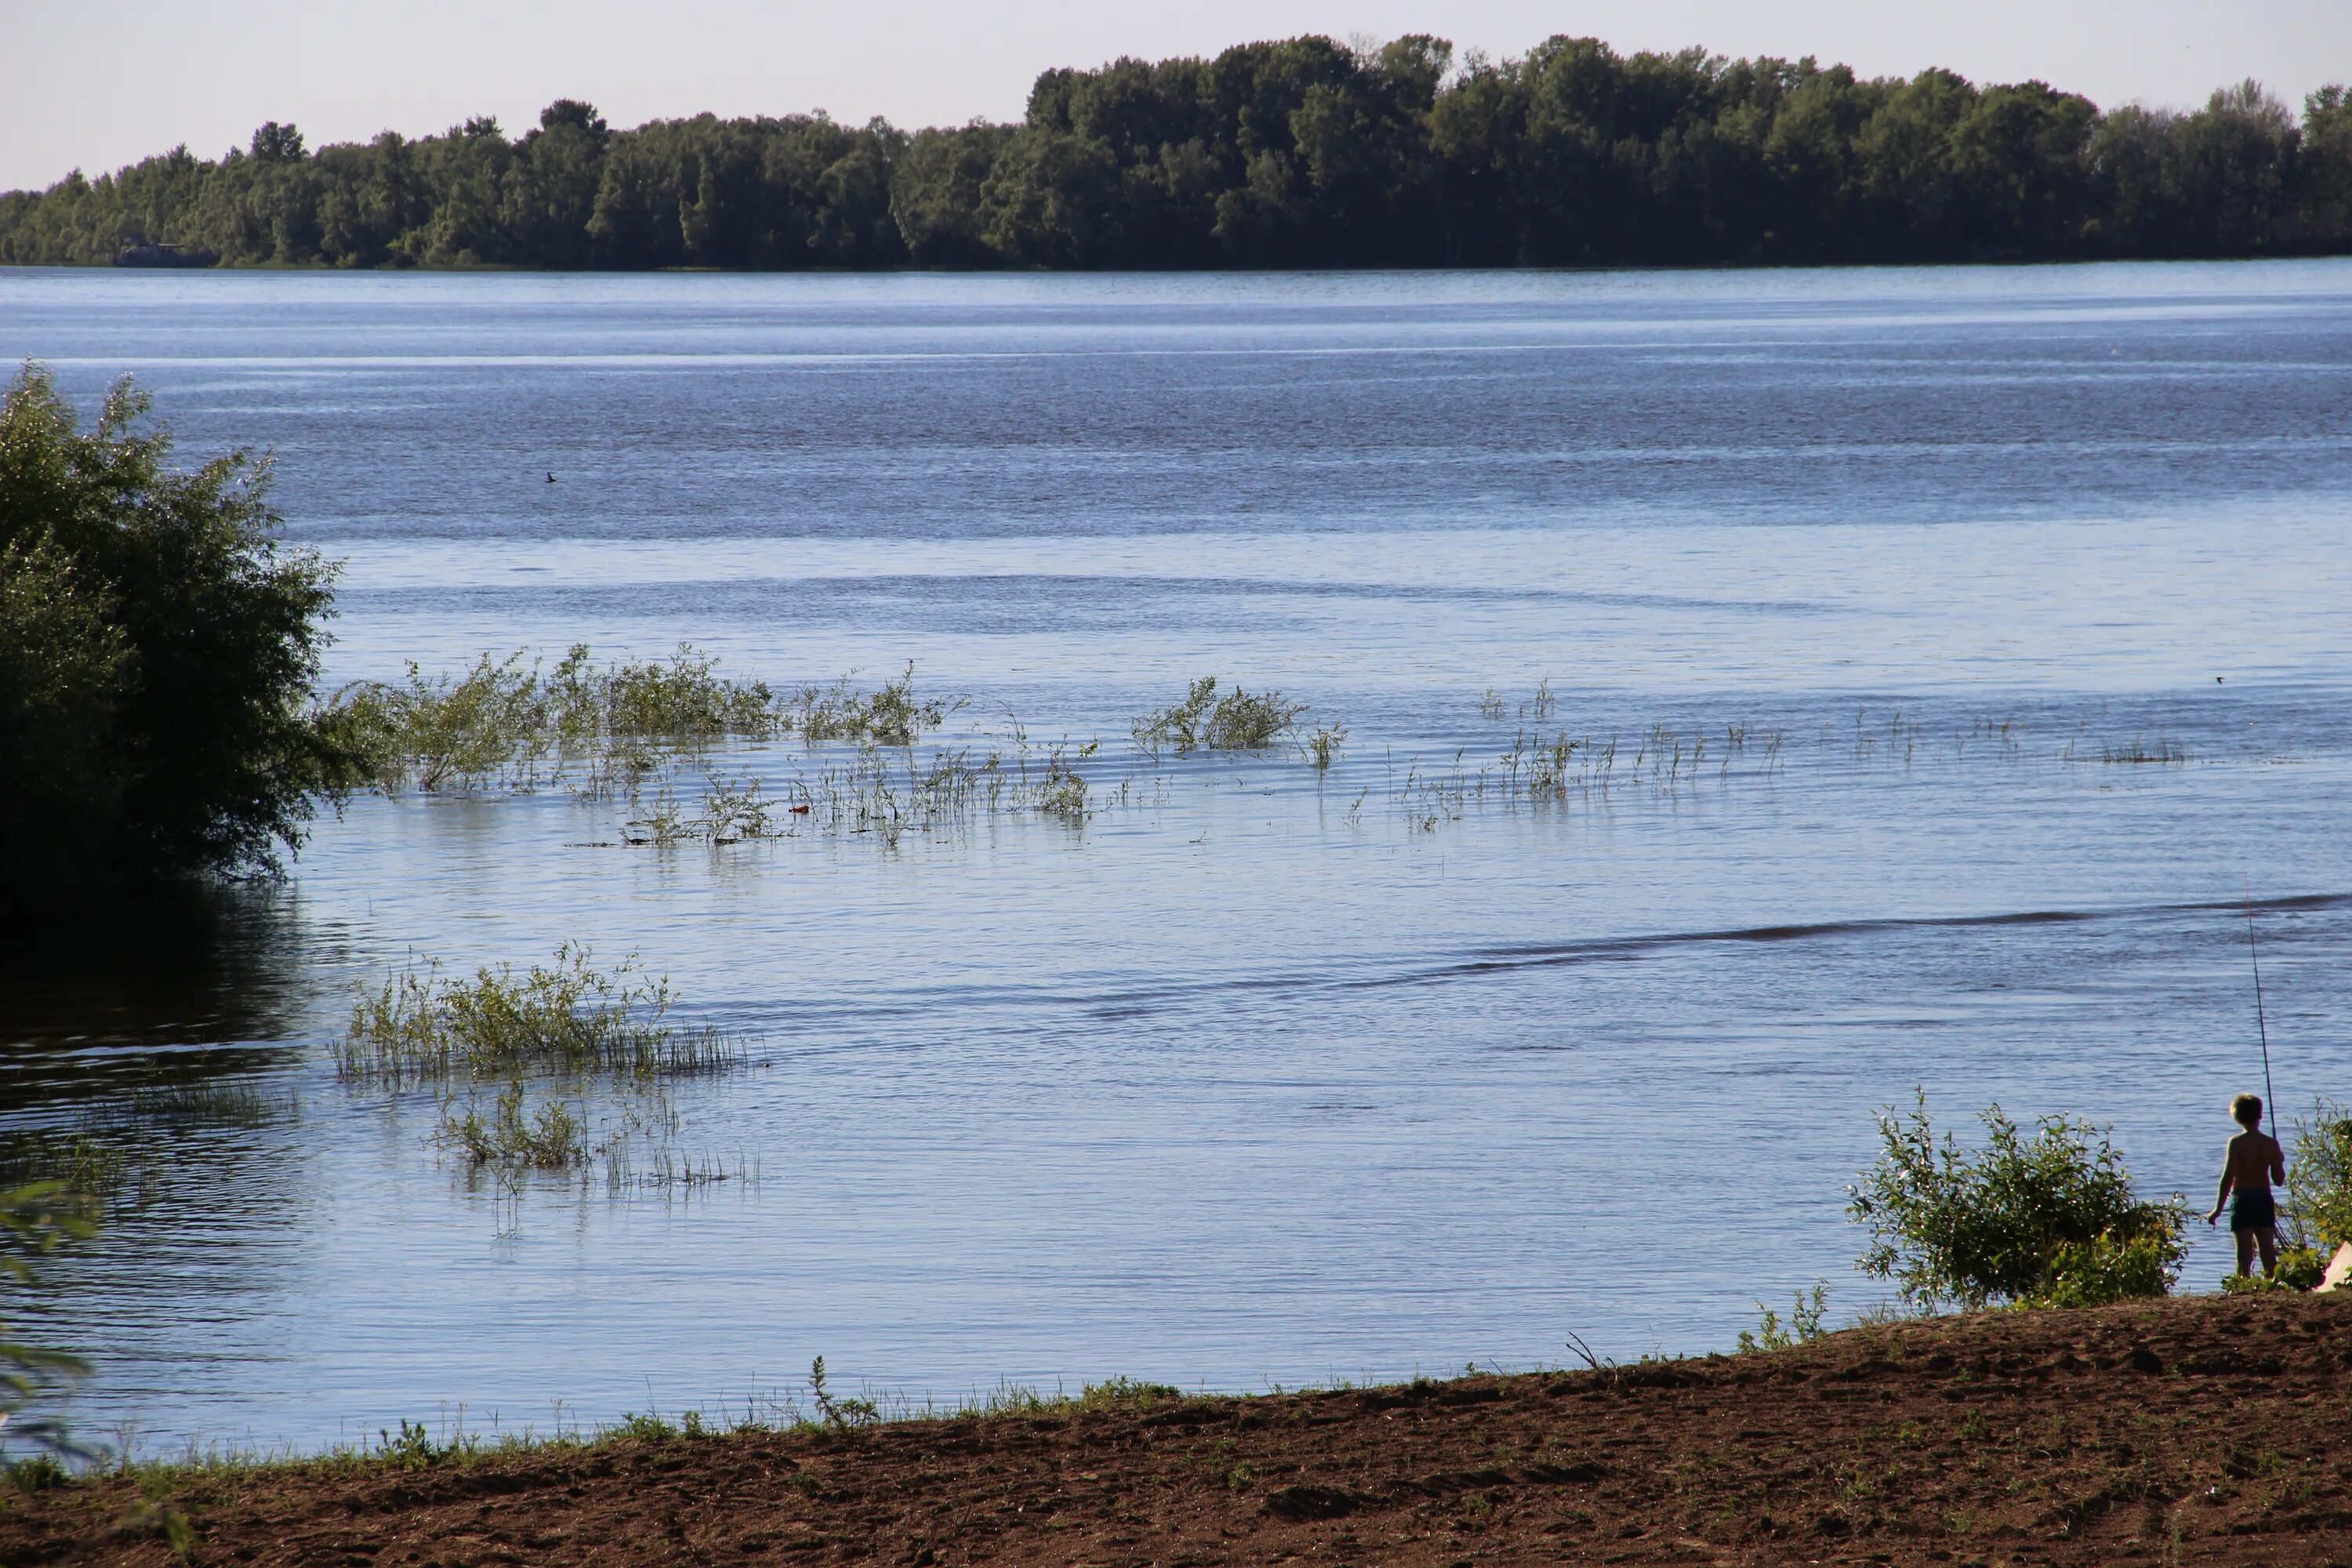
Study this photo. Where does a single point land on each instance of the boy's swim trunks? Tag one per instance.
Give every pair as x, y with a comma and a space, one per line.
2253, 1210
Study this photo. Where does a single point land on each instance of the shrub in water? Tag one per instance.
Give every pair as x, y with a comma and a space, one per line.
157, 651
2046, 1219
1237, 721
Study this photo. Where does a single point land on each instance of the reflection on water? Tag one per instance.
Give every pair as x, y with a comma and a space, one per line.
1261, 1072
185, 981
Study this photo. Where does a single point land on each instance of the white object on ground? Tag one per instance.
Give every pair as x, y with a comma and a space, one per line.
2339, 1267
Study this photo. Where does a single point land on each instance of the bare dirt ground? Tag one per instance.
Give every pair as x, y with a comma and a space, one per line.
2193, 1431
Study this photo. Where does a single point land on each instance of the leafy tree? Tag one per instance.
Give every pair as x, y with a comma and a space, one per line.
2049, 1219
1294, 153
157, 651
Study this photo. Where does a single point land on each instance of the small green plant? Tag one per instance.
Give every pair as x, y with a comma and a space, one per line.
414, 1449
1323, 746
891, 715
647, 1428
1204, 721
1120, 1391
2038, 1220
1803, 1327
501, 720
838, 1412
1490, 704
157, 1519
38, 1474
553, 1139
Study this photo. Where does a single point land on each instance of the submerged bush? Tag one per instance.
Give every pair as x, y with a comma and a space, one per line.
568, 1017
1237, 721
2050, 1219
157, 651
502, 720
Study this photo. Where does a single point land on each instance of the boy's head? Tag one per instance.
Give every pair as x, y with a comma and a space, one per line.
2247, 1111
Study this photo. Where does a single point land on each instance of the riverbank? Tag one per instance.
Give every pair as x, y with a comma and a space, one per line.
2203, 1430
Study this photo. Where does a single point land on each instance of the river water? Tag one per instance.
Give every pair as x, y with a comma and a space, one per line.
1263, 1075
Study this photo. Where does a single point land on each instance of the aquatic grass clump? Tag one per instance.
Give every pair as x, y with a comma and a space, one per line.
1203, 721
554, 1139
502, 722
569, 1018
891, 715
588, 1036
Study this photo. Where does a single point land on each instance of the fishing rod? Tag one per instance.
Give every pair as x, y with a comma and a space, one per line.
2270, 1096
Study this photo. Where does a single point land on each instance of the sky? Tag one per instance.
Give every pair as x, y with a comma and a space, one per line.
94, 84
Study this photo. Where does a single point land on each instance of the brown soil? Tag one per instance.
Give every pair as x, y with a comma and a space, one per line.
2187, 1431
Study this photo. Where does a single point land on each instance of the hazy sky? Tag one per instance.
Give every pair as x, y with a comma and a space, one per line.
97, 83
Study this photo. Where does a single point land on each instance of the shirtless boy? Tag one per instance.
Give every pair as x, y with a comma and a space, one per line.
2253, 1163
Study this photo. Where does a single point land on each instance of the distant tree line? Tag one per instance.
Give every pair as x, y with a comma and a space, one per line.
1298, 154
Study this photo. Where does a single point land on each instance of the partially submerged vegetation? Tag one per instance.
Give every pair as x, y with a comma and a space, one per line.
649, 735
592, 1040
1237, 720
598, 728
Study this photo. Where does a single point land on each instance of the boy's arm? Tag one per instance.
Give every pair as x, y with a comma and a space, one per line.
2229, 1177
2278, 1163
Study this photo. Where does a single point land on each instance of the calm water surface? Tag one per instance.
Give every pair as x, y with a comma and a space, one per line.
1262, 1076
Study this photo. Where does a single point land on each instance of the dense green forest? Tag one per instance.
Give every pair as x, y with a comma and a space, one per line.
1298, 154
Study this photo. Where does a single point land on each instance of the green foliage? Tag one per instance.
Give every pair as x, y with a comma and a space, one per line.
502, 720
2107, 1269
2299, 1269
891, 715
35, 1221
157, 649
509, 1140
2319, 1177
569, 1018
1298, 153
1803, 1327
2049, 1219
839, 1411
1237, 721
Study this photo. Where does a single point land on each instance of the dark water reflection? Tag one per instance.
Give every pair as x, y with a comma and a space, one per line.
192, 979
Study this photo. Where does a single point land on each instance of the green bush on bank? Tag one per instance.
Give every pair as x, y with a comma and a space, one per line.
2319, 1177
2049, 1219
157, 651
